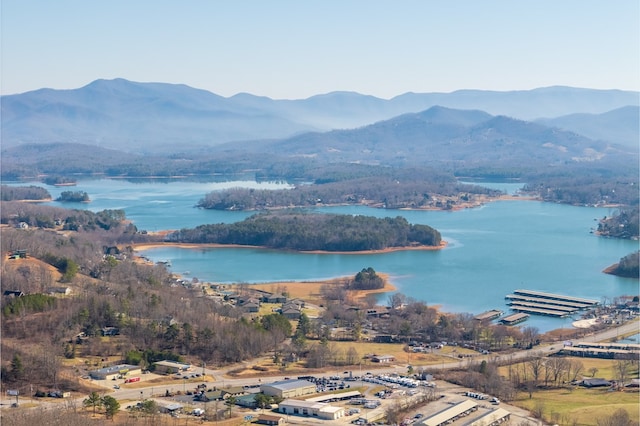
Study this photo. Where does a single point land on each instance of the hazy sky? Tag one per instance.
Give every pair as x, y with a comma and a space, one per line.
299, 48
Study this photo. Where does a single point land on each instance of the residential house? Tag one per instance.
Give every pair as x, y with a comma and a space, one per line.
383, 359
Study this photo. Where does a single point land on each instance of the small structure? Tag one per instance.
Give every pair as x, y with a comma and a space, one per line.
59, 290
288, 388
12, 293
268, 419
109, 331
488, 315
319, 410
114, 372
169, 367
595, 383
514, 319
383, 359
172, 407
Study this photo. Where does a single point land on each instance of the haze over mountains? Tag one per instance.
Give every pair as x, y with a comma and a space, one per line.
158, 117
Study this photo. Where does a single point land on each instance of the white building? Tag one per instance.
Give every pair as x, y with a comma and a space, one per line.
319, 410
114, 372
288, 388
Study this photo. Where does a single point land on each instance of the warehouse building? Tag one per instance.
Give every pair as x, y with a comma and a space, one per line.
288, 388
318, 410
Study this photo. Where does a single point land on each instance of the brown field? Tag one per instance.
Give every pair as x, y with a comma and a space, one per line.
310, 291
585, 406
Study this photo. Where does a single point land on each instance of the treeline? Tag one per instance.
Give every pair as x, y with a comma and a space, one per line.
48, 217
306, 232
584, 187
386, 192
19, 193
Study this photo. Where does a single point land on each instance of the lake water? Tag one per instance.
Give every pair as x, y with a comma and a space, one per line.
492, 250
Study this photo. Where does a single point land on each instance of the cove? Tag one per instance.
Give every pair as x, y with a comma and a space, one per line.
493, 249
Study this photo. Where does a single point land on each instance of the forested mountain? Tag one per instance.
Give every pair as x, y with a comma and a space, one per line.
152, 117
620, 126
454, 139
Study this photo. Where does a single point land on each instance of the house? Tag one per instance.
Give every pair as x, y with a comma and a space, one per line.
292, 313
319, 410
233, 391
251, 307
288, 388
274, 298
215, 395
383, 359
268, 419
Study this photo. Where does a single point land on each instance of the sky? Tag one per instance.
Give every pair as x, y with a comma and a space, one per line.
294, 49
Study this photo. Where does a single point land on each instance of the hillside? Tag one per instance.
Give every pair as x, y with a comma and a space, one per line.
455, 138
157, 117
620, 126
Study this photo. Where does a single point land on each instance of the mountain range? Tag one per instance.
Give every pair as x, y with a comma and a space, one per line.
158, 117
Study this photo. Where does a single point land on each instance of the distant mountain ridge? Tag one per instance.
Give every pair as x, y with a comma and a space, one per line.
443, 136
621, 125
158, 117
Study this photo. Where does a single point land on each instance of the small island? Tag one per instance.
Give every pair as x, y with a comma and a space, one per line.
314, 232
73, 197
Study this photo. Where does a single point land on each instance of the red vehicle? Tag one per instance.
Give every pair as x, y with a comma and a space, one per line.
132, 380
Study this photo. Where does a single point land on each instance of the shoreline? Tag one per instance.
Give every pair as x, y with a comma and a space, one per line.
149, 246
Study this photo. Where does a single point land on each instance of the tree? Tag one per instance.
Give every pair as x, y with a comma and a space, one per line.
111, 406
93, 400
262, 400
230, 402
620, 417
17, 367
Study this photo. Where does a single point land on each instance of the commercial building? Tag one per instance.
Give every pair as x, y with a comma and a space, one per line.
288, 388
318, 410
168, 367
115, 372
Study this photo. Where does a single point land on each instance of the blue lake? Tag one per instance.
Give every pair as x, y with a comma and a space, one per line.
492, 250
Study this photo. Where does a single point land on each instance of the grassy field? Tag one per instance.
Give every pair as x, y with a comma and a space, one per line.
584, 406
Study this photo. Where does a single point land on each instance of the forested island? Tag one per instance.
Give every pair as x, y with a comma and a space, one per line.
73, 197
311, 232
381, 191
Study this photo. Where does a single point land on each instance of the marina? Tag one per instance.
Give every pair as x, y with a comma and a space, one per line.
549, 304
